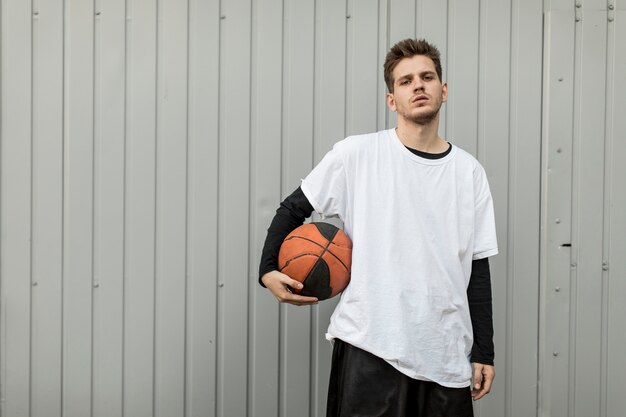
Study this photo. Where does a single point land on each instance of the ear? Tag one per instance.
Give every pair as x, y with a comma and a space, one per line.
391, 102
444, 92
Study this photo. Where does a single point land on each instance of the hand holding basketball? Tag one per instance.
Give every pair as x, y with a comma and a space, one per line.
279, 284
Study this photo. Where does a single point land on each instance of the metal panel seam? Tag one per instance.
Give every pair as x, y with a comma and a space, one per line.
124, 210
94, 180
187, 208
606, 241
541, 212
156, 199
251, 61
30, 245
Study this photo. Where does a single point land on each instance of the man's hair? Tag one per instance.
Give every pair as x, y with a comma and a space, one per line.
406, 49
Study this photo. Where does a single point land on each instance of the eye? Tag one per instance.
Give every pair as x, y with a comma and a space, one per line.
404, 82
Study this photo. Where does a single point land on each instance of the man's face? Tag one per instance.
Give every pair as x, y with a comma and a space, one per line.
417, 90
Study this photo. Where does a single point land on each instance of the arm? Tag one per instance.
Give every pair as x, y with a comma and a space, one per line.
480, 305
291, 214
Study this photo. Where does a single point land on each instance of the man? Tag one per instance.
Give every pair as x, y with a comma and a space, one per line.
414, 326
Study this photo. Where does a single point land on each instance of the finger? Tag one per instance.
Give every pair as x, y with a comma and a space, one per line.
487, 377
290, 282
280, 285
286, 296
277, 279
487, 381
298, 300
478, 394
292, 297
478, 376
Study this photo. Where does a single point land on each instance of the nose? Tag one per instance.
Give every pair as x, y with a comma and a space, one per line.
418, 85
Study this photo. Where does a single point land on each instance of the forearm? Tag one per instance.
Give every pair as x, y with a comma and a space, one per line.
481, 312
291, 214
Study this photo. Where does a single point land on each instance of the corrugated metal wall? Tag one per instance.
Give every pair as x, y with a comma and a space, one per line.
583, 367
146, 144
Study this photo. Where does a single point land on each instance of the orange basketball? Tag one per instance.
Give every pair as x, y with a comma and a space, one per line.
319, 255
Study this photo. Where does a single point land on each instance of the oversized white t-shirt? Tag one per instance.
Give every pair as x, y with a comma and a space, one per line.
416, 224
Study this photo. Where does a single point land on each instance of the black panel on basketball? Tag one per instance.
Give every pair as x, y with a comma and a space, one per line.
327, 230
317, 283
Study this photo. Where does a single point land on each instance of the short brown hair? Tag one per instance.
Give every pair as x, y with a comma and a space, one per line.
408, 48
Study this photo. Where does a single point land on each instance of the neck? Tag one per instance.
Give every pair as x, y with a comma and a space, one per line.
424, 138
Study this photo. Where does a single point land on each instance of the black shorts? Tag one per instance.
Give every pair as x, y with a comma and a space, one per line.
363, 385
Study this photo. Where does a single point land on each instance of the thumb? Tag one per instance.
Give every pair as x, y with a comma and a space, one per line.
478, 377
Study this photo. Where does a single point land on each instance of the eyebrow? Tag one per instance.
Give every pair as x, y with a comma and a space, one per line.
408, 76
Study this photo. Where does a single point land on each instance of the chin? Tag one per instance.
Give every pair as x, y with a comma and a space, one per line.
422, 119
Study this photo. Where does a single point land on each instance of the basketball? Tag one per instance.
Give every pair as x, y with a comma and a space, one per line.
319, 255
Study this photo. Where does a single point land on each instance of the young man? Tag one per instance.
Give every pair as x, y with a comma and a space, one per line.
414, 326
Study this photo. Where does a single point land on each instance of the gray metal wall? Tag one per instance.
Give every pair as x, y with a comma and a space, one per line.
146, 144
583, 303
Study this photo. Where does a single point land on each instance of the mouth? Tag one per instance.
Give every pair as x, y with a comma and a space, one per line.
419, 99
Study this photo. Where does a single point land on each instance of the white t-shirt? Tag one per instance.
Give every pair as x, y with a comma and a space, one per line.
416, 224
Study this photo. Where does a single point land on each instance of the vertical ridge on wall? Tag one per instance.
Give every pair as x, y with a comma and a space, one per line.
16, 223
47, 209
171, 212
588, 198
140, 208
615, 226
109, 221
203, 169
78, 211
297, 141
362, 69
329, 127
234, 199
381, 51
608, 169
384, 7
435, 21
462, 75
265, 176
556, 258
493, 151
524, 209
